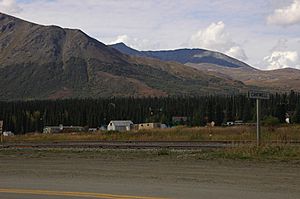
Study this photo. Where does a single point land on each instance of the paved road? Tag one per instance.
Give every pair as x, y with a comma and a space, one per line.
50, 176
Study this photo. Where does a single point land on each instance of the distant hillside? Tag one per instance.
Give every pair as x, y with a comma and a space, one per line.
282, 80
184, 56
49, 62
222, 66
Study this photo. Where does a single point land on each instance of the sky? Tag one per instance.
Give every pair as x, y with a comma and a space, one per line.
263, 33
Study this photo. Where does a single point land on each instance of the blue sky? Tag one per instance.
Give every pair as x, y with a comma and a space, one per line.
264, 34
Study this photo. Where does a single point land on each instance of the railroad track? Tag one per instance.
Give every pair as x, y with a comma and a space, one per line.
188, 145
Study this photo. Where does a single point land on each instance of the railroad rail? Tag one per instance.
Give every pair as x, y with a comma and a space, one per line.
188, 145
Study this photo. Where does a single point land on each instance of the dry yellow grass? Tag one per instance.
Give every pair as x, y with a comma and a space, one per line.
237, 133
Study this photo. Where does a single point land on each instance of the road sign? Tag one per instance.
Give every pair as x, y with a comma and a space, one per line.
259, 95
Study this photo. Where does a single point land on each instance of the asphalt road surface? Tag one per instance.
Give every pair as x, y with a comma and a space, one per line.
76, 175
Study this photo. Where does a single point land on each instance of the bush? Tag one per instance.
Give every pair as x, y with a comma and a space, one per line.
271, 121
296, 116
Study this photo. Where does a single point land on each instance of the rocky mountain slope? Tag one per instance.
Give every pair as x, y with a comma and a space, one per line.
49, 62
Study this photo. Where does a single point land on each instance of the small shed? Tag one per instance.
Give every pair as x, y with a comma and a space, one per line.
8, 133
63, 129
179, 119
230, 123
120, 125
238, 122
147, 126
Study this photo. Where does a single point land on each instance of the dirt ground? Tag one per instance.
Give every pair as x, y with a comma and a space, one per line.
147, 175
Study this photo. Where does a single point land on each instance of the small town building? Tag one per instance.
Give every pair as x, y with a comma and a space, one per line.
238, 122
52, 129
163, 126
230, 123
120, 125
93, 129
146, 126
8, 133
63, 129
179, 119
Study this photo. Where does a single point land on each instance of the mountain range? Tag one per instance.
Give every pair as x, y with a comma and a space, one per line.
185, 56
223, 66
50, 62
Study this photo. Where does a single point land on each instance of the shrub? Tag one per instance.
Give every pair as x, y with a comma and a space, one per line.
296, 116
271, 121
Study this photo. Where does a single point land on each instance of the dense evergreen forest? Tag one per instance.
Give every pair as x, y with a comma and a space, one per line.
30, 116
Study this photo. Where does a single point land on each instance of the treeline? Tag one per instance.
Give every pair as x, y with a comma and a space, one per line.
30, 116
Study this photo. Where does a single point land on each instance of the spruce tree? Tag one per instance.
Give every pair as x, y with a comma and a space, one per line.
296, 116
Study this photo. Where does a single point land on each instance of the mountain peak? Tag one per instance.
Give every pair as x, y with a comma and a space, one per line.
121, 44
42, 62
123, 48
5, 18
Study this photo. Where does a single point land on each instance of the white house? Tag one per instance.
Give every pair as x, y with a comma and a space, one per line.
121, 125
63, 129
8, 133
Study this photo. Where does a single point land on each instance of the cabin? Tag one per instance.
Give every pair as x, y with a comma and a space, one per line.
63, 129
147, 126
238, 122
179, 120
230, 123
53, 129
92, 129
8, 133
120, 125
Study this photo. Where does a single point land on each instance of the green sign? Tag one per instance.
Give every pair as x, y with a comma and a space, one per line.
259, 95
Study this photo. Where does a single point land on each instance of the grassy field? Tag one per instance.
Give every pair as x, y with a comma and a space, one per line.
181, 133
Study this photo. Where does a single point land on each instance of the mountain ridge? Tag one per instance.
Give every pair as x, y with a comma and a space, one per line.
185, 55
50, 62
280, 80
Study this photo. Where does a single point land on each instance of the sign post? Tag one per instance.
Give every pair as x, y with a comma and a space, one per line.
1, 133
258, 95
258, 113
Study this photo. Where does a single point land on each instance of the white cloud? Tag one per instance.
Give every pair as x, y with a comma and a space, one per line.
282, 45
286, 16
121, 39
136, 43
282, 59
237, 52
9, 6
215, 37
